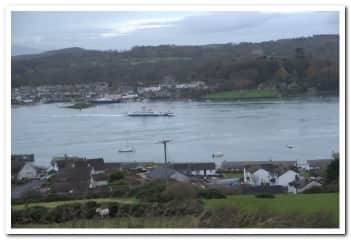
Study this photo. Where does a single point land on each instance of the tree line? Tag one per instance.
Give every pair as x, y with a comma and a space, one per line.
298, 64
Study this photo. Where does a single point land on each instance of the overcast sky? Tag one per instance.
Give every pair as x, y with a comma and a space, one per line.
123, 30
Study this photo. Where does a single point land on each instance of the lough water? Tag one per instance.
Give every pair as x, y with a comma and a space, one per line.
241, 130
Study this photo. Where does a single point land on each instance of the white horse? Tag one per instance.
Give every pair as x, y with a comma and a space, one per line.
103, 212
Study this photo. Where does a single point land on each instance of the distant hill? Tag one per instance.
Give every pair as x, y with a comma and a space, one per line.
307, 62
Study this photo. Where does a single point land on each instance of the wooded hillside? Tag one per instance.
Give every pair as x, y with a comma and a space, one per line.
299, 63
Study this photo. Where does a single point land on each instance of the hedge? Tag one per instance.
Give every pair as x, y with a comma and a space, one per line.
67, 212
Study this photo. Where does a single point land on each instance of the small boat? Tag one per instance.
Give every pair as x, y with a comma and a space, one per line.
105, 100
217, 154
150, 113
126, 149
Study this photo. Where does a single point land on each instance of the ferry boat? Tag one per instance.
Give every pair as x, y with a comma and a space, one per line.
150, 113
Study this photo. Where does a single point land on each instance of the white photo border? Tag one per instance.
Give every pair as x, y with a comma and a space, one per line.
174, 7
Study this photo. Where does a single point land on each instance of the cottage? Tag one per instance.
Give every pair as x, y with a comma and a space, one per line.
22, 167
28, 171
264, 177
287, 178
259, 177
195, 168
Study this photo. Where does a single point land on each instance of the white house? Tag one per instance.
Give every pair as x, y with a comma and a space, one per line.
28, 171
259, 177
287, 178
262, 176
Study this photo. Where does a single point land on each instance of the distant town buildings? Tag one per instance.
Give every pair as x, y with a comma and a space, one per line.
167, 88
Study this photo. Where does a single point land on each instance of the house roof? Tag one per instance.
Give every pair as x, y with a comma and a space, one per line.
193, 166
96, 163
77, 187
76, 179
160, 172
16, 166
70, 162
75, 174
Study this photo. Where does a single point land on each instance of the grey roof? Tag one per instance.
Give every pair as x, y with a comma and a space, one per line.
193, 166
64, 187
76, 179
160, 172
163, 173
96, 163
16, 166
75, 174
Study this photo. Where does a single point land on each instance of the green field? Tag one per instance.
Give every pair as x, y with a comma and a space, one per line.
232, 175
57, 203
287, 203
252, 93
130, 222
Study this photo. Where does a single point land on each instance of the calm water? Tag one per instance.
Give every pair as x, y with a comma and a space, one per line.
242, 130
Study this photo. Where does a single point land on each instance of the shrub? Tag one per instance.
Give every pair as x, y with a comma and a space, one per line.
314, 189
332, 187
38, 214
113, 209
120, 182
150, 192
90, 209
231, 217
211, 193
117, 175
178, 191
265, 195
63, 213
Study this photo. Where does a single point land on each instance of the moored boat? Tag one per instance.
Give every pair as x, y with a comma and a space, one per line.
105, 100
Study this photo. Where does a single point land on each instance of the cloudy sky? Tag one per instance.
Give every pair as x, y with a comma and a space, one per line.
123, 30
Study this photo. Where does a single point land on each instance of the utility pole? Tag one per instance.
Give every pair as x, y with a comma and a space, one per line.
164, 142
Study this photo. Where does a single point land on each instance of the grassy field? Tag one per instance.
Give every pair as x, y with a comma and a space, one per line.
232, 175
287, 203
252, 93
57, 203
131, 222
